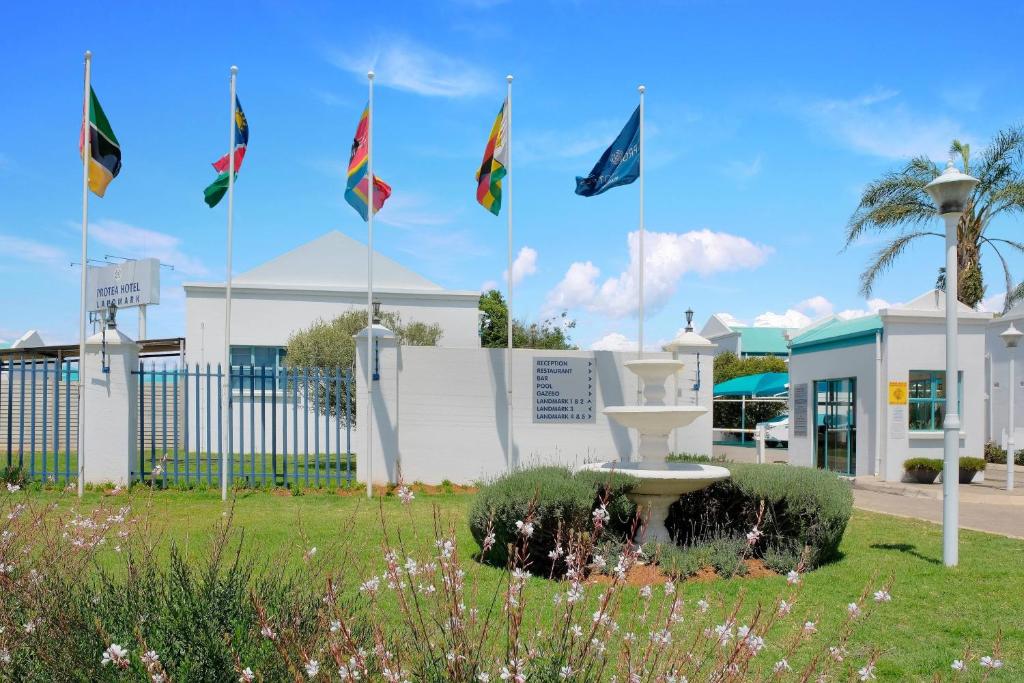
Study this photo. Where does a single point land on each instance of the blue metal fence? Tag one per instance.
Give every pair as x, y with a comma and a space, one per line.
39, 417
277, 429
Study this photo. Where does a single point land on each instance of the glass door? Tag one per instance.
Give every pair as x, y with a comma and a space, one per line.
835, 419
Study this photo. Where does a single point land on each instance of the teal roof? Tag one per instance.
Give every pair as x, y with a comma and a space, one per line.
764, 340
838, 333
764, 384
5, 345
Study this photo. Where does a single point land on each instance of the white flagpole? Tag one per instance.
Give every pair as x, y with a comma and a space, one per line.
227, 286
508, 190
369, 291
641, 256
86, 155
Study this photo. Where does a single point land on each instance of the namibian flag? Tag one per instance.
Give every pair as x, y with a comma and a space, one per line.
357, 189
219, 187
492, 168
104, 149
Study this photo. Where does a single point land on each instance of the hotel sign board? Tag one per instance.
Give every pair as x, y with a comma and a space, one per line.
132, 283
563, 390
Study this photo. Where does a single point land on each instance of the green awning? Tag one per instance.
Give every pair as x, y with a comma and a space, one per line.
758, 386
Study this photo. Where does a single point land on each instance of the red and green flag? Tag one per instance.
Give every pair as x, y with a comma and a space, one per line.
219, 187
104, 149
492, 168
357, 188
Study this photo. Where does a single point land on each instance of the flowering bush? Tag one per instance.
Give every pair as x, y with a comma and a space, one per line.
95, 596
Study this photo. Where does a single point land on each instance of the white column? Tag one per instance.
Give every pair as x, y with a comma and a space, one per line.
142, 322
1011, 445
508, 211
951, 423
227, 455
111, 399
86, 156
377, 407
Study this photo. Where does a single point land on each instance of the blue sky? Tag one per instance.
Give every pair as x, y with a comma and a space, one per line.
764, 121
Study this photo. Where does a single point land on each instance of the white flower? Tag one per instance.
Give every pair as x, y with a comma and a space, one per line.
268, 632
882, 596
525, 528
793, 577
991, 662
645, 592
601, 517
867, 672
5, 655
30, 626
520, 574
599, 561
312, 668
488, 544
854, 609
753, 535
837, 653
247, 676
576, 631
958, 665
483, 677
116, 655
150, 658
309, 554
565, 672
335, 625
405, 494
157, 471
13, 488
781, 665
158, 677
670, 588
370, 585
703, 605
784, 608
810, 627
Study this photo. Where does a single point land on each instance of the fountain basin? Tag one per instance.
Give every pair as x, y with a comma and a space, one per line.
654, 369
660, 485
654, 419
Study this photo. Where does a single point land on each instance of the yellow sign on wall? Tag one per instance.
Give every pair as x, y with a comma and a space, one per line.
898, 393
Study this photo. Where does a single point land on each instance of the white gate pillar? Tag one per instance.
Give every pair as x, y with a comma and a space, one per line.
386, 460
110, 418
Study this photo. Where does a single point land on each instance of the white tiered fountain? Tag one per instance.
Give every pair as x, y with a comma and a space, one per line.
661, 482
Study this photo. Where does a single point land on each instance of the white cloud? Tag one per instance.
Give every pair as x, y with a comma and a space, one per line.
405, 65
817, 306
524, 264
743, 170
873, 306
730, 320
877, 123
133, 242
32, 251
791, 318
668, 256
614, 342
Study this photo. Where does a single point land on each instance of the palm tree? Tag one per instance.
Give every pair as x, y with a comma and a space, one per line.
897, 202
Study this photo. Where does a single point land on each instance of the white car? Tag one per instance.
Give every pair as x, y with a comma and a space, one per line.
776, 431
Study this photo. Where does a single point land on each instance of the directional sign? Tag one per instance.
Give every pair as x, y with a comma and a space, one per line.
563, 389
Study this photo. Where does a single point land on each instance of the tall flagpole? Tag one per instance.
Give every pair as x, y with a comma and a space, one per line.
508, 325
640, 265
86, 156
369, 291
227, 286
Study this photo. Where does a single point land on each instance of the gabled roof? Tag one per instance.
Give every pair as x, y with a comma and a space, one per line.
334, 262
838, 330
715, 327
762, 340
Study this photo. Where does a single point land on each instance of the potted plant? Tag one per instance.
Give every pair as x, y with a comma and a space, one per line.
969, 467
923, 470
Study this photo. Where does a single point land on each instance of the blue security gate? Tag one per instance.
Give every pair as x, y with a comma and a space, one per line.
279, 427
39, 418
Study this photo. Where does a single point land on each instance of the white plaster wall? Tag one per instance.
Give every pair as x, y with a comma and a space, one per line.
451, 415
853, 361
999, 401
266, 317
697, 438
922, 346
110, 424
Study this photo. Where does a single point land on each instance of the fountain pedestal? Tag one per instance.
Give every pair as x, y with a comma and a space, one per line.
661, 482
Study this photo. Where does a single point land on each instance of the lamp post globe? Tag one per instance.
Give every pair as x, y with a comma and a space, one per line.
951, 192
1011, 337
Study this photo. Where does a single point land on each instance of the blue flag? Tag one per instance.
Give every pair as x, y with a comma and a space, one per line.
619, 165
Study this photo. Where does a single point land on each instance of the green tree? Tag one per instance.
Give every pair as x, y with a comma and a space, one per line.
897, 202
551, 333
329, 344
729, 366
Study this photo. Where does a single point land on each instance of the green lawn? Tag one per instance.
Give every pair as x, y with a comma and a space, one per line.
935, 613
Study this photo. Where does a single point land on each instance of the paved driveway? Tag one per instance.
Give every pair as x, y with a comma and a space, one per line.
1007, 520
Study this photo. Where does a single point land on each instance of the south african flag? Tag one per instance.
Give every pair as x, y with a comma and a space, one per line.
492, 168
104, 149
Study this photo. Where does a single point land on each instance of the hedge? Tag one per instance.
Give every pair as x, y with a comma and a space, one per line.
805, 511
560, 498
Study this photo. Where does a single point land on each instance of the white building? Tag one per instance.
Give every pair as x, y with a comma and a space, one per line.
867, 394
318, 280
999, 379
745, 340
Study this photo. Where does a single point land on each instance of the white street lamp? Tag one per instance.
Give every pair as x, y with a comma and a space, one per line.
951, 192
1011, 337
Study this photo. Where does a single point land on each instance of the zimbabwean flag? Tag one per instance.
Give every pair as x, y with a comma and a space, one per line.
104, 149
